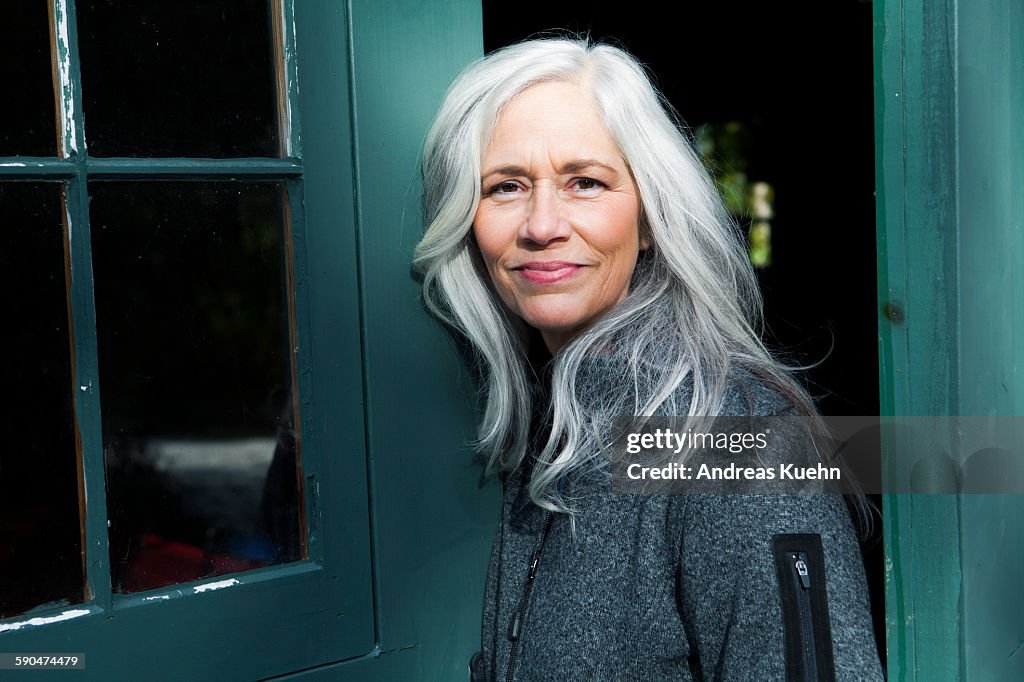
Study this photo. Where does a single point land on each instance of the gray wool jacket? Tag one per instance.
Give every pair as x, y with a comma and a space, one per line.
677, 587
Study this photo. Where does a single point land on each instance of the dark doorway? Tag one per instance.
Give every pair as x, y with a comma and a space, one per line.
792, 92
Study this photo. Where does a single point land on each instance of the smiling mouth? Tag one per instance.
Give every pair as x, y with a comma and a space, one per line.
546, 272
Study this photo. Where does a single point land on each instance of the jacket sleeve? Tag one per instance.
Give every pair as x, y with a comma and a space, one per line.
751, 610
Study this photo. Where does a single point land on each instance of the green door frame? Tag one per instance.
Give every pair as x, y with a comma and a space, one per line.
916, 214
949, 102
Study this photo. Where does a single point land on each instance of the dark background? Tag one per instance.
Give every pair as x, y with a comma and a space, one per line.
800, 82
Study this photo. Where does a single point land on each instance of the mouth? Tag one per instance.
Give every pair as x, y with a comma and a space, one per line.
546, 272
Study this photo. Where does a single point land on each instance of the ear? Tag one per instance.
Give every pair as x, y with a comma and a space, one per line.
645, 231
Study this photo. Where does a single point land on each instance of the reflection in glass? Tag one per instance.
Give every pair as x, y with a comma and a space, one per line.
27, 121
40, 528
178, 78
195, 373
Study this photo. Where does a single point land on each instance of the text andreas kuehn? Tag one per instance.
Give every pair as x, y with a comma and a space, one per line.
733, 472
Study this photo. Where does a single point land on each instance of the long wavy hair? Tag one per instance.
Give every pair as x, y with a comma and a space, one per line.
693, 312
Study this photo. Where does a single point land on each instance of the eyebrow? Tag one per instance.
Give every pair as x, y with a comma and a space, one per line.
574, 166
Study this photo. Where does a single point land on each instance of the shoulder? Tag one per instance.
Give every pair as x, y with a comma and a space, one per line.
748, 394
718, 517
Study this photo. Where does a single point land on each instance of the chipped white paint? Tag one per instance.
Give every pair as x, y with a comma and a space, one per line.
67, 100
157, 597
69, 223
215, 586
288, 46
291, 52
32, 622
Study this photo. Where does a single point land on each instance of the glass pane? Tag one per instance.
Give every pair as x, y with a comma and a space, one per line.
178, 78
27, 122
192, 312
40, 528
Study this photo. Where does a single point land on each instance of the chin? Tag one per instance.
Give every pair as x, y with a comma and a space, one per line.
550, 318
555, 324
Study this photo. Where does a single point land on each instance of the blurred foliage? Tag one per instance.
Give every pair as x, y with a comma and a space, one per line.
725, 151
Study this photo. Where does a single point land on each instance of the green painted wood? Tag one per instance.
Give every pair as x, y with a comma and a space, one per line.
221, 169
293, 136
433, 522
85, 367
68, 85
15, 167
950, 155
270, 623
919, 321
888, 50
331, 377
398, 664
990, 67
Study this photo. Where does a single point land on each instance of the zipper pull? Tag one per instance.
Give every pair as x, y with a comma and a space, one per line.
800, 563
515, 626
533, 566
517, 623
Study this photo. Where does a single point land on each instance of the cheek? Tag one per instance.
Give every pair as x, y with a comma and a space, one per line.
487, 234
621, 274
620, 239
490, 251
495, 236
487, 252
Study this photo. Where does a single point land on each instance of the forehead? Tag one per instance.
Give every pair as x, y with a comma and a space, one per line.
559, 116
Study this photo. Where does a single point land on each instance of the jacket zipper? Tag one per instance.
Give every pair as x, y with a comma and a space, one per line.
803, 577
800, 564
515, 629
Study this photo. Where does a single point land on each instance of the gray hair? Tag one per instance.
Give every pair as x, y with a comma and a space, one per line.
693, 312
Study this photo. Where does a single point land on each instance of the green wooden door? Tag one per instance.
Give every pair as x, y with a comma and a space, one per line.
391, 526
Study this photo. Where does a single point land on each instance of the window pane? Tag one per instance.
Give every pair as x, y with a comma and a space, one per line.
178, 78
27, 123
192, 311
40, 528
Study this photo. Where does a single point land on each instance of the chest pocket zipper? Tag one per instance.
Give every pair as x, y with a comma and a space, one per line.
800, 566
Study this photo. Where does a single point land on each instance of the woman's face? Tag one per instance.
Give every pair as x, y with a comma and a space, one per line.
558, 221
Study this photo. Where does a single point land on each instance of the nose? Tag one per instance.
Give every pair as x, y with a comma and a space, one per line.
547, 219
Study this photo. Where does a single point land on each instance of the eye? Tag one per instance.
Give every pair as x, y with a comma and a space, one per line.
586, 184
504, 188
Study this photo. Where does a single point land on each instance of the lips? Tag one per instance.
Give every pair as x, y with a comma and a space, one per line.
546, 272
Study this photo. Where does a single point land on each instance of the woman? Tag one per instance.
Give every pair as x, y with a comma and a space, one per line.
568, 218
